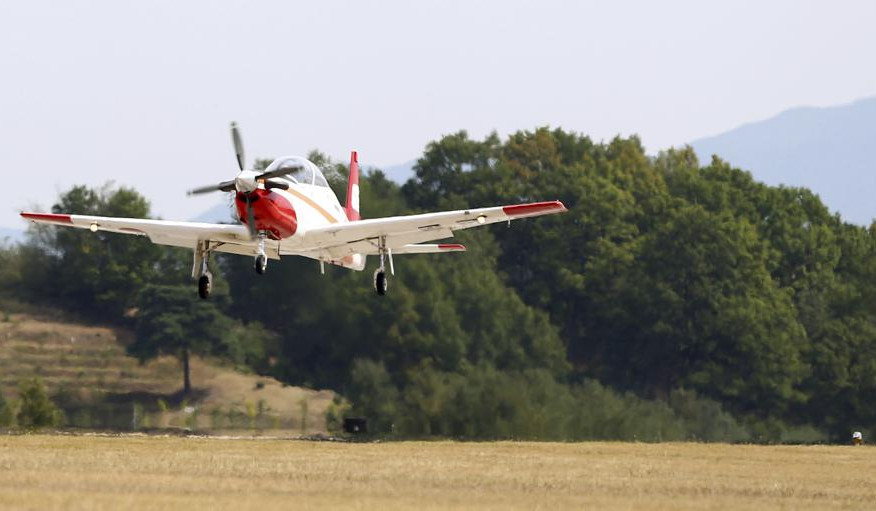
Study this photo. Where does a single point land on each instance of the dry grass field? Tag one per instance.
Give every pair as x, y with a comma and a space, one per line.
139, 472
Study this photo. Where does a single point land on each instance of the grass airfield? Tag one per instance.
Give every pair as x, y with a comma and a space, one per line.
150, 472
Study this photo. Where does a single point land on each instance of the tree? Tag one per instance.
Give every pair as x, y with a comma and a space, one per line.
6, 414
35, 409
173, 320
96, 274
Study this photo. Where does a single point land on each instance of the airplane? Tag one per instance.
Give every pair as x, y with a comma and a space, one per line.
289, 209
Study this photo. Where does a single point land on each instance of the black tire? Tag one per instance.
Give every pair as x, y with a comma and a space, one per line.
261, 264
380, 283
205, 285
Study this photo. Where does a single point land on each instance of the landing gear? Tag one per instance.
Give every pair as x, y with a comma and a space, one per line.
261, 260
261, 263
202, 270
205, 285
381, 283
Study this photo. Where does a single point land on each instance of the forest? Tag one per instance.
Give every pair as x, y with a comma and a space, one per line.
676, 299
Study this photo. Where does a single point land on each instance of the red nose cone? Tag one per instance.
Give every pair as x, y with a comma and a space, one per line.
273, 213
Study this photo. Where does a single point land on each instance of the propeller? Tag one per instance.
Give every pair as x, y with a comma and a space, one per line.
238, 145
250, 217
247, 181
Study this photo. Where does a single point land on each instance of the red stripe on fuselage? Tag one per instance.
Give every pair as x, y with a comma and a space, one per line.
536, 208
48, 217
450, 246
273, 213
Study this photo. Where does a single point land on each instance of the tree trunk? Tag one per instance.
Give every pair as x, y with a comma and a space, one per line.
187, 381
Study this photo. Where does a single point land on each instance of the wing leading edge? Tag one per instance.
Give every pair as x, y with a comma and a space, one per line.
401, 234
161, 232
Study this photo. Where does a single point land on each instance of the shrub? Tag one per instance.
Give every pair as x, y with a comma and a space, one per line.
334, 415
704, 419
6, 413
36, 410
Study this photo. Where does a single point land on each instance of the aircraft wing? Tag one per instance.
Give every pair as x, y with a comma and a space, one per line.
161, 232
401, 233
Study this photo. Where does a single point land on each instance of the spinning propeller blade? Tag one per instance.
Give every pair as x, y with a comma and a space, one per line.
224, 186
230, 186
250, 217
247, 181
238, 146
279, 172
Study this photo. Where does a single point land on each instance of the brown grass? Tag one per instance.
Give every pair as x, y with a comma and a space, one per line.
65, 472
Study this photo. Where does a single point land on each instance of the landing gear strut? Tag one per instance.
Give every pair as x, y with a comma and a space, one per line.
381, 283
261, 260
202, 270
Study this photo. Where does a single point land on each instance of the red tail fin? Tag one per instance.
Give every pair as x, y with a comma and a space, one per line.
352, 208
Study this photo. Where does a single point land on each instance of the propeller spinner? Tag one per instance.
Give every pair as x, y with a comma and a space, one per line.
247, 180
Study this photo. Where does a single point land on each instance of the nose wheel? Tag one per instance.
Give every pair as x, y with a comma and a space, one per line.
261, 260
261, 264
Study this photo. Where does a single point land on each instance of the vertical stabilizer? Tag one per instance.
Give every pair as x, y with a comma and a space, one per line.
352, 208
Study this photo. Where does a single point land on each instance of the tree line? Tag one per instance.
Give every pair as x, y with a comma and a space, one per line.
676, 299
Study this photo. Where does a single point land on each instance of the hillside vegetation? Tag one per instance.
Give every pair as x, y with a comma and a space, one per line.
98, 385
677, 299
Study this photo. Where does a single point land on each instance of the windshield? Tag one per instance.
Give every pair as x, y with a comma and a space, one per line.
320, 179
306, 173
303, 173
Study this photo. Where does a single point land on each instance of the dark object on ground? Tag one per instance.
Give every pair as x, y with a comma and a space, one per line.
355, 425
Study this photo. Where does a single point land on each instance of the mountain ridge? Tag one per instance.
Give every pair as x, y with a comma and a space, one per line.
825, 149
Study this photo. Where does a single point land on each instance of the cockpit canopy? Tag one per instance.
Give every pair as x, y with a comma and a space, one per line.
306, 173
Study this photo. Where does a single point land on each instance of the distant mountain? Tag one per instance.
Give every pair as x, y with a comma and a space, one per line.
831, 151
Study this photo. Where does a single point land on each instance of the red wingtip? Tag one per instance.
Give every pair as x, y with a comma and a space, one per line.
535, 208
451, 246
47, 217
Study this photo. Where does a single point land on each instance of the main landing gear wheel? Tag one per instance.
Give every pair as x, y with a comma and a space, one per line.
261, 264
380, 282
205, 285
201, 269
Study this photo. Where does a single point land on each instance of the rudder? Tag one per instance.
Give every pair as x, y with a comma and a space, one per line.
352, 207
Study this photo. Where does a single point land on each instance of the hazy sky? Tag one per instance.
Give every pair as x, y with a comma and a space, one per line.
142, 92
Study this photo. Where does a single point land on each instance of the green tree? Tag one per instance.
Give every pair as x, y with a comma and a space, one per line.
374, 395
6, 413
96, 274
172, 320
35, 409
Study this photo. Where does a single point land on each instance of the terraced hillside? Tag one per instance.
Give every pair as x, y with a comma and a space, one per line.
87, 371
